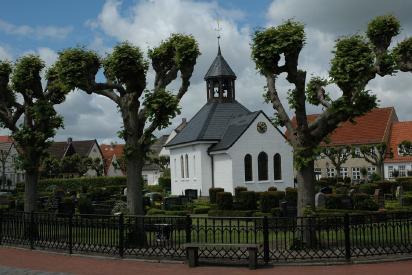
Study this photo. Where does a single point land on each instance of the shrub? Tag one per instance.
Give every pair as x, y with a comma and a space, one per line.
99, 194
347, 180
291, 195
67, 207
248, 200
363, 201
375, 177
386, 186
238, 190
407, 200
85, 206
224, 200
213, 192
165, 183
406, 183
334, 201
269, 200
231, 213
368, 188
341, 190
154, 188
272, 189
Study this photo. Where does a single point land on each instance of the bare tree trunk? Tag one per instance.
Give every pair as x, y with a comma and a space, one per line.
306, 188
306, 200
30, 192
135, 185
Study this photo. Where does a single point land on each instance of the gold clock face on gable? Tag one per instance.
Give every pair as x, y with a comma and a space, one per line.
261, 127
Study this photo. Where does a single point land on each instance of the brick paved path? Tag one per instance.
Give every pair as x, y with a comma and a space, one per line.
21, 261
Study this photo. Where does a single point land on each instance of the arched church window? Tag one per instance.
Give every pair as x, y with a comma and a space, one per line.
182, 168
187, 165
248, 168
262, 166
277, 167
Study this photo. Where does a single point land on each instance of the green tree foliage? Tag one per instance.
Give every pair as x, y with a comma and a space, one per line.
22, 95
143, 110
356, 60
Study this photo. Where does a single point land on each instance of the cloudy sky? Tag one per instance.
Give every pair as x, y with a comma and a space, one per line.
47, 26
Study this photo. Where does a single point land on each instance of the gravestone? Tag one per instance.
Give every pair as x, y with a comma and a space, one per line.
346, 202
326, 190
191, 194
320, 200
399, 195
125, 192
379, 198
283, 209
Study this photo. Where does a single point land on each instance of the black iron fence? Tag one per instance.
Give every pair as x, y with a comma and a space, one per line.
282, 239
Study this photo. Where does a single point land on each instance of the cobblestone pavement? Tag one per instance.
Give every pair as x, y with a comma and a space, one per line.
21, 271
23, 261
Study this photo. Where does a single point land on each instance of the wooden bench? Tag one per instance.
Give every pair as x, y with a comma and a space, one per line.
192, 251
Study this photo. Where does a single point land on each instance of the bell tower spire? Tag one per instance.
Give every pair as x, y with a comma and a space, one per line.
220, 78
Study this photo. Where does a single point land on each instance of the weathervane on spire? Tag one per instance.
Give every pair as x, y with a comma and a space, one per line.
218, 29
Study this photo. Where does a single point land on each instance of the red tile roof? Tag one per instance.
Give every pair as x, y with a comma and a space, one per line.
108, 151
370, 128
6, 139
400, 131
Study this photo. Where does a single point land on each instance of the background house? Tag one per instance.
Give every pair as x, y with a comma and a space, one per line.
84, 148
8, 164
370, 129
114, 161
403, 164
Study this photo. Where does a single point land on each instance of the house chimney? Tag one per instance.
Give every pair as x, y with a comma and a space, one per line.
69, 140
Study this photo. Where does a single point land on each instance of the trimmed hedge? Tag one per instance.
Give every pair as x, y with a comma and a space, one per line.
291, 195
364, 202
213, 192
78, 183
272, 189
201, 210
238, 190
269, 200
247, 200
368, 188
224, 200
407, 200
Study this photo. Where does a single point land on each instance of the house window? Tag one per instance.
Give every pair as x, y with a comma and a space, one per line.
187, 165
356, 174
371, 171
182, 168
330, 172
390, 171
344, 173
402, 170
262, 166
248, 168
277, 167
194, 166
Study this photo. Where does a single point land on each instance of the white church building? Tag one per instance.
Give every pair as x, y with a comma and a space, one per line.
226, 145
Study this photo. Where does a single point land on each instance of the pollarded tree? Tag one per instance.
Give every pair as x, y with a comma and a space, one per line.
357, 60
143, 110
36, 108
375, 155
338, 156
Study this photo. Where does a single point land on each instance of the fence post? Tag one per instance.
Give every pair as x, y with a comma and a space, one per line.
1, 227
347, 237
121, 235
71, 234
266, 239
188, 229
31, 230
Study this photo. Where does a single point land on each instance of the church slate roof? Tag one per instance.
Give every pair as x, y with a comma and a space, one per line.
219, 68
235, 129
210, 123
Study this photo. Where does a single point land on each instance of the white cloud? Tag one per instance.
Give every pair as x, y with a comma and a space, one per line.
5, 54
36, 32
